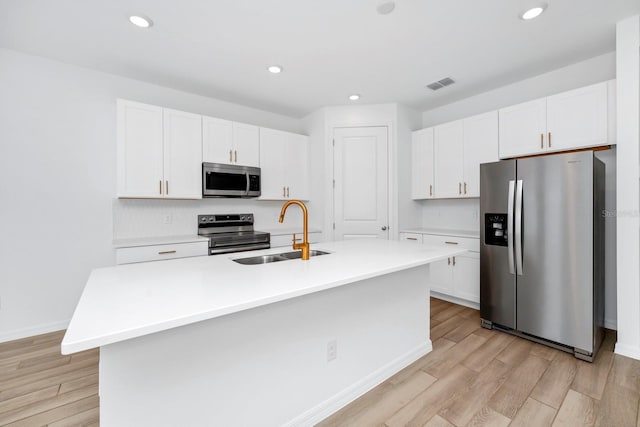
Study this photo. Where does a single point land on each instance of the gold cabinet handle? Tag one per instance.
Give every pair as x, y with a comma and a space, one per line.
166, 187
459, 188
541, 141
412, 238
465, 188
454, 261
430, 189
549, 140
450, 243
448, 261
287, 191
235, 153
166, 252
284, 191
160, 186
231, 155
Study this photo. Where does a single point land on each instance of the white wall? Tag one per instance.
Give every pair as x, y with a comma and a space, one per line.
57, 183
583, 73
409, 212
628, 201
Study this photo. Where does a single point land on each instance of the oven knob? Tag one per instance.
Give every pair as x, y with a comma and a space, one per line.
211, 218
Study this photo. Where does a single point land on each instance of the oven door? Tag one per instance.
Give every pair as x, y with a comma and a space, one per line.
219, 180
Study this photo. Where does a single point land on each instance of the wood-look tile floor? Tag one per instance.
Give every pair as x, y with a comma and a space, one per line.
41, 387
473, 377
480, 377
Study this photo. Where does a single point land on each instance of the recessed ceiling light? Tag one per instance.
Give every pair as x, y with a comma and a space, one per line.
534, 12
354, 97
140, 21
275, 69
386, 7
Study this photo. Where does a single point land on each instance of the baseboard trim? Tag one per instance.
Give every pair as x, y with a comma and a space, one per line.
34, 330
628, 351
611, 324
455, 300
351, 393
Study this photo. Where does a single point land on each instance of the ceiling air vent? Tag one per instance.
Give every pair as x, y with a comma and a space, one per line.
441, 83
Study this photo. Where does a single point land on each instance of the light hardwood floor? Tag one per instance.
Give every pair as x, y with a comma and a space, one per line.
39, 386
478, 377
473, 377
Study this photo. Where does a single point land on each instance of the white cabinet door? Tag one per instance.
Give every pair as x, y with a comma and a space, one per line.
296, 157
139, 146
480, 146
422, 162
441, 276
272, 164
522, 129
466, 277
246, 145
577, 118
448, 159
182, 155
217, 140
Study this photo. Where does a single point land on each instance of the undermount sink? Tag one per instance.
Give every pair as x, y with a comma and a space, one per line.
285, 256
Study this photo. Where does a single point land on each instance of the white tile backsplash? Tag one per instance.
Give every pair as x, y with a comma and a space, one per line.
152, 218
457, 214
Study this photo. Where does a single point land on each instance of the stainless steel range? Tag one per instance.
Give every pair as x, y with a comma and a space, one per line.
232, 233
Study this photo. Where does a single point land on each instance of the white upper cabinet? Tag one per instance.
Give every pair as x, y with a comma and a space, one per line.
182, 154
228, 142
570, 120
577, 118
449, 141
480, 146
284, 164
523, 128
246, 144
140, 157
422, 162
159, 152
217, 140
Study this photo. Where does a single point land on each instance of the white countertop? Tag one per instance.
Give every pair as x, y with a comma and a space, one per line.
475, 234
162, 240
128, 301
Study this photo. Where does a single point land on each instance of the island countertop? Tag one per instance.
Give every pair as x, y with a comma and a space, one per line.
129, 301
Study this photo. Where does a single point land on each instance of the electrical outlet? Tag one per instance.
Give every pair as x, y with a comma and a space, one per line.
167, 219
332, 350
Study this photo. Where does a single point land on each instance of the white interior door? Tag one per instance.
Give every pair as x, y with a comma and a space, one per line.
360, 170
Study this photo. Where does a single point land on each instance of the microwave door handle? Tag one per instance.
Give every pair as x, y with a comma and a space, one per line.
248, 182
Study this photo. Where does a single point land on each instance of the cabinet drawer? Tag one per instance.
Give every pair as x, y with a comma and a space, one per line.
411, 237
462, 242
161, 252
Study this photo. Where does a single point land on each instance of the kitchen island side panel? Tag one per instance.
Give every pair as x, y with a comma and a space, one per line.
268, 366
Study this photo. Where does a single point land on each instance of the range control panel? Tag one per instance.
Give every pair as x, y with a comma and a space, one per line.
495, 229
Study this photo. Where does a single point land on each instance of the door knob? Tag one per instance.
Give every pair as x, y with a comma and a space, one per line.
384, 228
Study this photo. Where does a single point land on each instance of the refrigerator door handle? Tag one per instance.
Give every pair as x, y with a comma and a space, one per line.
512, 185
518, 236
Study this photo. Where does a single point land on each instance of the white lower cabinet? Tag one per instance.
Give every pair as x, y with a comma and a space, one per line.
455, 277
161, 252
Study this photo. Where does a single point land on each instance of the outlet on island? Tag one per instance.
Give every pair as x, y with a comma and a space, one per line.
332, 350
167, 218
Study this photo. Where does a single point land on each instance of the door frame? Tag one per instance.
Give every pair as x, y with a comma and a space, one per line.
391, 175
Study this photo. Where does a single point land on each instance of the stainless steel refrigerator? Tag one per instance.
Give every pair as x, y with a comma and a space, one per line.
542, 250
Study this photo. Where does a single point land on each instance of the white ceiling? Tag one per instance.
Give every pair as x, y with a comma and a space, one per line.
329, 49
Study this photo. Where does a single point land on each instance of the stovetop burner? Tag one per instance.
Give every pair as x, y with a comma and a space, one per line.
232, 233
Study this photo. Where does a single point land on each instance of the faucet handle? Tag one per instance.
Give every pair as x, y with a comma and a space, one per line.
294, 238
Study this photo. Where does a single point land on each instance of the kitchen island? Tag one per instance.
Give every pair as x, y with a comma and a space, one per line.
208, 341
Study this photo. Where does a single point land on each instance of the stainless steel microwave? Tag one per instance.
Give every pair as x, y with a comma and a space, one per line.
220, 180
